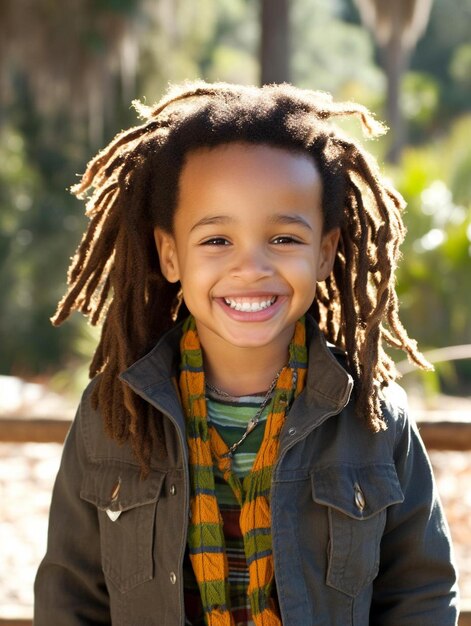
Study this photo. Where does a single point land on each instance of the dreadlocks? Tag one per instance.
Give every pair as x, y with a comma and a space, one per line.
132, 187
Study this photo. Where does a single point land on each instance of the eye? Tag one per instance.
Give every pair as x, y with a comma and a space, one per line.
215, 241
285, 240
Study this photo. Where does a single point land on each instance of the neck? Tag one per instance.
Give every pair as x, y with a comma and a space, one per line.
243, 371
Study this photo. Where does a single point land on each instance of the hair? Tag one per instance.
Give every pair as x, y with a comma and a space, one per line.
132, 187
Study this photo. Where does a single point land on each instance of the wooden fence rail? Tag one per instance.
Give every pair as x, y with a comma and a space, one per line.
438, 433
33, 429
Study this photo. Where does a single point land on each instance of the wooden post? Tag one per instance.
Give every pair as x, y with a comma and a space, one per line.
274, 41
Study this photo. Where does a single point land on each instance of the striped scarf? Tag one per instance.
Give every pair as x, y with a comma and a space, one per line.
205, 533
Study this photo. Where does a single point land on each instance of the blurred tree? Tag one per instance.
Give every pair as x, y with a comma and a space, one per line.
334, 55
63, 65
69, 52
214, 39
396, 27
275, 50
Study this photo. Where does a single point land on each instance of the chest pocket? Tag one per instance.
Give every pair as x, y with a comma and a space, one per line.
126, 513
357, 498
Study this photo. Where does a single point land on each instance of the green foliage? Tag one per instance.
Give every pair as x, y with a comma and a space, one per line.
213, 39
460, 66
434, 277
420, 99
35, 230
437, 51
332, 55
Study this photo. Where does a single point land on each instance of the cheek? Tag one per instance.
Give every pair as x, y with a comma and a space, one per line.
203, 266
304, 279
196, 279
302, 269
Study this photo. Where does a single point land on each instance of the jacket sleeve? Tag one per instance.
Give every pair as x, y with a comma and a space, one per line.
417, 581
70, 589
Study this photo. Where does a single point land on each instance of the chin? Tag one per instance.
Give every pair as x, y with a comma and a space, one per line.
252, 341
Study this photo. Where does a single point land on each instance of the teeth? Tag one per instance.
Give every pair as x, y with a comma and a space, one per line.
250, 306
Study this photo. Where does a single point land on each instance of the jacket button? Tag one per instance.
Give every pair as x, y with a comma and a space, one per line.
359, 497
173, 578
292, 431
173, 490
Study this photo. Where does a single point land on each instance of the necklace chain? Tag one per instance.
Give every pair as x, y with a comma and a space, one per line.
253, 421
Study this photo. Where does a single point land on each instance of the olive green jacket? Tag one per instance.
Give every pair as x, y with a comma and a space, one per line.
358, 533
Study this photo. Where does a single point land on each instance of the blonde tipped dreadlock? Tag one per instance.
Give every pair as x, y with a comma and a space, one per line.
115, 274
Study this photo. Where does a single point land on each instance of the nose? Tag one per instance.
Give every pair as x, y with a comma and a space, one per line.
251, 264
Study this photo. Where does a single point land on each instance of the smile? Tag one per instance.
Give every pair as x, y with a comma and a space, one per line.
250, 305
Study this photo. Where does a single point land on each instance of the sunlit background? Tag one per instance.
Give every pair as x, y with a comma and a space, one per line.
69, 71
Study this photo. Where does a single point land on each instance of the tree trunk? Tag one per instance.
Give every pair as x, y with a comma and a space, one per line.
275, 45
395, 63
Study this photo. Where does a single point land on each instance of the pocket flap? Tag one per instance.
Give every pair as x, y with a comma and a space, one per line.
118, 487
359, 491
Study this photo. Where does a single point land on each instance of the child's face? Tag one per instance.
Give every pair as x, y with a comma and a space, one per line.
248, 246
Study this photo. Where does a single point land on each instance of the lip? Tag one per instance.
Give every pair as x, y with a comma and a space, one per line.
251, 316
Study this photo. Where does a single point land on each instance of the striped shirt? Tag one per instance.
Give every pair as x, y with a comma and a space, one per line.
230, 416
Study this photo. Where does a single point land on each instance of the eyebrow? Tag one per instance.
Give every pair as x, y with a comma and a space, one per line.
289, 218
276, 218
212, 219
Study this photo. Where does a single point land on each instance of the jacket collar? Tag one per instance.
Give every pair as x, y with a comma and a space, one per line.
154, 377
328, 386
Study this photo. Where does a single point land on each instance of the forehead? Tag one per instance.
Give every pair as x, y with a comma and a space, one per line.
241, 168
250, 186
237, 153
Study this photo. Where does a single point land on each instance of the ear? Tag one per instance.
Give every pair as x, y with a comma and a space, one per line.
166, 248
327, 252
